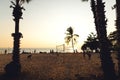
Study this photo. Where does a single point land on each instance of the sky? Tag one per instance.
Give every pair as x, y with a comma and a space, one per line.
45, 22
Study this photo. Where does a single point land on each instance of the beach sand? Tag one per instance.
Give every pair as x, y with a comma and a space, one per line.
56, 66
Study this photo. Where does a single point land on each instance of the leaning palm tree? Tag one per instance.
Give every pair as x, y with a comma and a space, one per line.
71, 37
14, 67
100, 23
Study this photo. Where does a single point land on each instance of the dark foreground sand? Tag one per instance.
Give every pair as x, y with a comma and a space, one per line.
60, 66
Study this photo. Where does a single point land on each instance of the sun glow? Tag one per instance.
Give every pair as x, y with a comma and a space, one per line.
45, 22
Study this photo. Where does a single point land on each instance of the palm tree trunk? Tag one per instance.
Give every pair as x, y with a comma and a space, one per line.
73, 45
105, 56
118, 33
16, 35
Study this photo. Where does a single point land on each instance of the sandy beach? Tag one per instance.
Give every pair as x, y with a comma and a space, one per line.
56, 66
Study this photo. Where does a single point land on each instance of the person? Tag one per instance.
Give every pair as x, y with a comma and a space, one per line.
34, 51
5, 51
88, 54
51, 51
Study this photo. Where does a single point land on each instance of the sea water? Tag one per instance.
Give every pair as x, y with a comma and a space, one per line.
31, 50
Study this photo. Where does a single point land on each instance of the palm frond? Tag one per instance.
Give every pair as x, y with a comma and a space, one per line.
84, 0
68, 39
75, 40
68, 34
76, 35
13, 3
28, 1
70, 30
23, 1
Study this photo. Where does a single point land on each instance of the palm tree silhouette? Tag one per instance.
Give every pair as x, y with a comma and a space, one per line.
71, 37
14, 67
117, 6
100, 23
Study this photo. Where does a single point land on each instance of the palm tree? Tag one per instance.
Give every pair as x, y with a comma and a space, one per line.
14, 67
100, 23
71, 37
118, 32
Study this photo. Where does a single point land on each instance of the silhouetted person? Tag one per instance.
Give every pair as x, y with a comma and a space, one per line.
52, 51
34, 51
88, 54
5, 51
76, 51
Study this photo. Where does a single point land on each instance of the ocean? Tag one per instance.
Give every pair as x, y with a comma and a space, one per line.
31, 50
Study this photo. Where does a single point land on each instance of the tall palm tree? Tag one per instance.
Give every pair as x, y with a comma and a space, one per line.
71, 37
106, 60
14, 67
118, 32
100, 23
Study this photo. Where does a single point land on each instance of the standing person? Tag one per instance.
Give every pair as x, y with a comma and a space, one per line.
34, 51
5, 51
89, 55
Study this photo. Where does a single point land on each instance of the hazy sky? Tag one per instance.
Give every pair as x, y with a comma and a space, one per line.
45, 22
